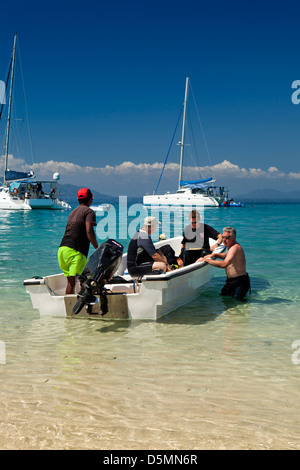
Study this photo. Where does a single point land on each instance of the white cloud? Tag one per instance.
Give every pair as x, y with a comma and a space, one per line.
295, 176
226, 168
129, 175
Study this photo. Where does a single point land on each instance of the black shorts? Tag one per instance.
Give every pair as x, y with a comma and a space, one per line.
141, 269
236, 287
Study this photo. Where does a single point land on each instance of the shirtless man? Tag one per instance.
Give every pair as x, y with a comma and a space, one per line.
234, 262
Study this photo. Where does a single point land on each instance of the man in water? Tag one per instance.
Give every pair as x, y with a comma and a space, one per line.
142, 257
234, 262
195, 242
75, 244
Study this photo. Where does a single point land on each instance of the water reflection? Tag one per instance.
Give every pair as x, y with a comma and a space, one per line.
215, 372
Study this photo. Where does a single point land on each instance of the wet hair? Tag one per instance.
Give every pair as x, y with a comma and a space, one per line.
230, 230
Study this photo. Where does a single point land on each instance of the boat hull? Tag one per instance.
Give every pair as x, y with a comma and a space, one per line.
101, 208
8, 202
180, 200
47, 204
11, 201
161, 296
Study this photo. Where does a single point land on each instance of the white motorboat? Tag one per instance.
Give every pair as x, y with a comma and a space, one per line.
101, 208
31, 194
10, 201
20, 190
190, 192
146, 298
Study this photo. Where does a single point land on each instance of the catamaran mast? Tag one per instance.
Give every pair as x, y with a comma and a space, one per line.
9, 105
183, 130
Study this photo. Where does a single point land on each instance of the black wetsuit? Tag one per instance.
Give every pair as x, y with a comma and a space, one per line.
139, 254
196, 242
236, 287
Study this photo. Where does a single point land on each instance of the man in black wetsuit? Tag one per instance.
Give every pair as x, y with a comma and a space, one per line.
195, 242
142, 257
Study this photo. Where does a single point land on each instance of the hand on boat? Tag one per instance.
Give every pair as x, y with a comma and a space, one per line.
204, 258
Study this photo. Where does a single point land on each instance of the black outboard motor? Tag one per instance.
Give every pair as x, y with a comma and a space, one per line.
101, 266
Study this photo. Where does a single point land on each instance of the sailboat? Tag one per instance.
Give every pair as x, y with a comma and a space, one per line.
190, 192
20, 190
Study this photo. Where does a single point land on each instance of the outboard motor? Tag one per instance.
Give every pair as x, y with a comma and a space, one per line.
100, 268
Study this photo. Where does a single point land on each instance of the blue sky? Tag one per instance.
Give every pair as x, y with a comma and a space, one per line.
105, 82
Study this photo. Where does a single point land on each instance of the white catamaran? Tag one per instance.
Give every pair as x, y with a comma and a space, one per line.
194, 192
20, 190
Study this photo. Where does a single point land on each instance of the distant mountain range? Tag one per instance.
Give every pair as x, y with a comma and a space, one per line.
268, 195
69, 193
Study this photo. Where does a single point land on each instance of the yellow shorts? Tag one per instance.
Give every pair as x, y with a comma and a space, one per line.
71, 262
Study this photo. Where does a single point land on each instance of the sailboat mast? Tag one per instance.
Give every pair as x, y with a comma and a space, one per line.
183, 130
9, 105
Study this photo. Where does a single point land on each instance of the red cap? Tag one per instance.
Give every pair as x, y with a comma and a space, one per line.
84, 193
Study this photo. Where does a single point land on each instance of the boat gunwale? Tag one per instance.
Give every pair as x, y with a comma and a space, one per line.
177, 272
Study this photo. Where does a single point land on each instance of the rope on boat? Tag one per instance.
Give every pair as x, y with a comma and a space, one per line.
51, 290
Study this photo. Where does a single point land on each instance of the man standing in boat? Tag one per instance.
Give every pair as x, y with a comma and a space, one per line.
75, 244
195, 242
142, 257
234, 262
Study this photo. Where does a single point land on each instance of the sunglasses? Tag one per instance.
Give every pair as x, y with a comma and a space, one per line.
226, 238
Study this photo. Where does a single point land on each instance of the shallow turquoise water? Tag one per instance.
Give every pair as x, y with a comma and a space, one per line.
213, 374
